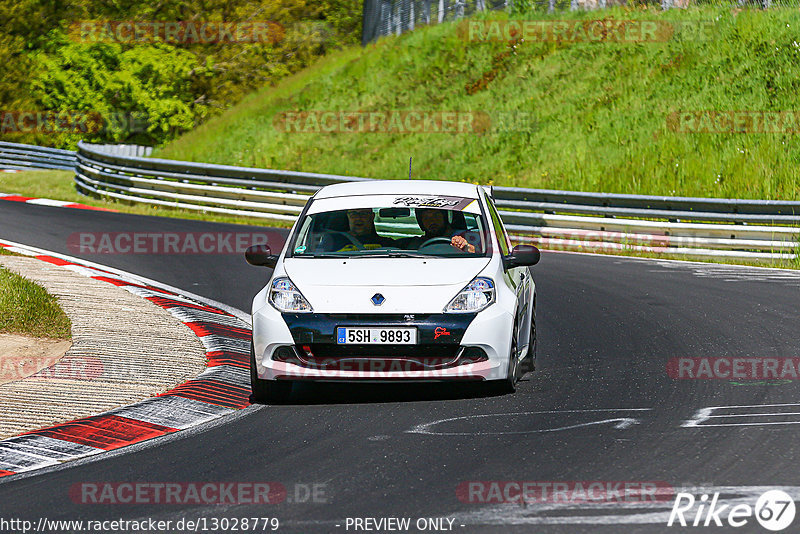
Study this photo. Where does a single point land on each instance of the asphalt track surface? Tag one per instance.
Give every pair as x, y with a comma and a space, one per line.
600, 405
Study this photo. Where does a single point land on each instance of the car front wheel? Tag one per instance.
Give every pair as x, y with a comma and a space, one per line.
267, 391
509, 383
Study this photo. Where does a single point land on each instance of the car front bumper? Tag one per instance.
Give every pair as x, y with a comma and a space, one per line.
451, 347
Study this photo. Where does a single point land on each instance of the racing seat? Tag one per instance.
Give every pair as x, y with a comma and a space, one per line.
458, 222
336, 221
324, 224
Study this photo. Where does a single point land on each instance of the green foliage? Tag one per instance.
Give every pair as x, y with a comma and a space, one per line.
599, 110
149, 92
151, 83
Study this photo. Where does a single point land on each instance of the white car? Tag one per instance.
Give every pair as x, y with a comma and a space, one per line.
394, 280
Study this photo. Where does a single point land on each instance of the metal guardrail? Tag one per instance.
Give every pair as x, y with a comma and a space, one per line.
125, 150
25, 157
394, 17
225, 189
568, 220
646, 206
693, 227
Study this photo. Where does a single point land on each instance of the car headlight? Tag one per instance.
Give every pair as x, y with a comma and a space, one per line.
285, 297
476, 296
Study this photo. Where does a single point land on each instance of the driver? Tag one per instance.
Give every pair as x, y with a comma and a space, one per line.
361, 234
435, 224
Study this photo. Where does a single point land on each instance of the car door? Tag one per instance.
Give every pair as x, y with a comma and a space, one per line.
516, 278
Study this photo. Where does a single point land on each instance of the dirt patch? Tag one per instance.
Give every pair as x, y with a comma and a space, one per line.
24, 356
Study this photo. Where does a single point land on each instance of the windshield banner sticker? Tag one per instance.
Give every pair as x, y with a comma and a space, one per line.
440, 202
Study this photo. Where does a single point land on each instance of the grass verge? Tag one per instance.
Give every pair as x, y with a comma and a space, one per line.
27, 308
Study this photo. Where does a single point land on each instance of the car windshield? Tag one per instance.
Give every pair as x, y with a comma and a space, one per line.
395, 232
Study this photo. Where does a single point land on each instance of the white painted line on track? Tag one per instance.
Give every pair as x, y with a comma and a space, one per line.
191, 315
769, 412
49, 202
48, 447
620, 423
237, 376
172, 412
215, 343
12, 459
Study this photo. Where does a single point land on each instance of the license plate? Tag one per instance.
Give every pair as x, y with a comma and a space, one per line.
376, 336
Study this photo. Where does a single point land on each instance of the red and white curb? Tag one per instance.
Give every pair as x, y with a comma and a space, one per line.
221, 389
49, 202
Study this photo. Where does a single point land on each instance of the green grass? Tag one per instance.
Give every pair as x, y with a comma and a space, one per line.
601, 109
59, 185
27, 308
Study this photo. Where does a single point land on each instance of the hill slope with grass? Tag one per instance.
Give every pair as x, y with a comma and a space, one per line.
601, 116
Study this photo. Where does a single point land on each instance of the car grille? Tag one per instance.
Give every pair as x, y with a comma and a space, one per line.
382, 358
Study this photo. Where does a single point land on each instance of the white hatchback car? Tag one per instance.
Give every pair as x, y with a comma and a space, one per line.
396, 280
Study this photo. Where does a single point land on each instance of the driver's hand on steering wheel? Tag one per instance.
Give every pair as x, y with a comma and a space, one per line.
461, 244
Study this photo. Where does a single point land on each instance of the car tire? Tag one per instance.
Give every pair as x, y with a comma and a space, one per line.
509, 383
529, 363
267, 391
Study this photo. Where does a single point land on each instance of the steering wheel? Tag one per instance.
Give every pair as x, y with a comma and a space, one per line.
434, 240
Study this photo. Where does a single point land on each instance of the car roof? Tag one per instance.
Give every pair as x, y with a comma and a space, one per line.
399, 187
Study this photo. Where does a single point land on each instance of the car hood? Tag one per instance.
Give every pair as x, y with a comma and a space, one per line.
409, 285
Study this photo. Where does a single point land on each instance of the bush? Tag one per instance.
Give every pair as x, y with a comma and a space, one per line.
149, 93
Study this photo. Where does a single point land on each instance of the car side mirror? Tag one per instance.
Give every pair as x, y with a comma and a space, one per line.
522, 256
261, 256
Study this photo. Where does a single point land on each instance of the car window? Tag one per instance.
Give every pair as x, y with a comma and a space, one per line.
502, 237
391, 231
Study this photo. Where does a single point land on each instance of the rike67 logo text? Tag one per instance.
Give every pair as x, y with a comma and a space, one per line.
774, 510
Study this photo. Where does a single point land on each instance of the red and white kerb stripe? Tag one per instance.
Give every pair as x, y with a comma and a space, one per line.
221, 389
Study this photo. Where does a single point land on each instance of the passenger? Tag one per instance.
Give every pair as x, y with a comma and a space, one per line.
361, 234
434, 224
